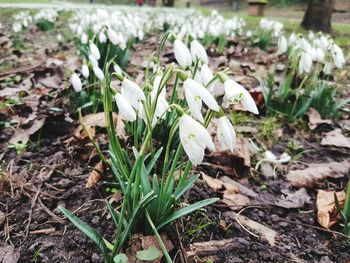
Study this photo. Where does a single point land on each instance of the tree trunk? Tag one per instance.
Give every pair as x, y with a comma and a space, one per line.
169, 3
318, 15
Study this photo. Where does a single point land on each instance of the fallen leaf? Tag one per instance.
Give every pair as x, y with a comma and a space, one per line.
23, 135
231, 195
315, 119
317, 172
95, 176
335, 138
8, 254
327, 214
295, 199
139, 242
91, 121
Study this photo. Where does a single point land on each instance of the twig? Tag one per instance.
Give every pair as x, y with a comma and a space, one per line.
239, 222
31, 210
50, 213
314, 227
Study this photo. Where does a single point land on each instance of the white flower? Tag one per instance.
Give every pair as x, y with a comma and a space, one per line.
182, 54
102, 37
85, 71
201, 92
198, 52
327, 69
93, 60
94, 51
132, 92
195, 105
84, 38
194, 138
162, 104
305, 63
98, 73
204, 76
112, 36
291, 39
76, 82
320, 55
337, 55
126, 111
270, 157
282, 45
235, 93
117, 69
226, 134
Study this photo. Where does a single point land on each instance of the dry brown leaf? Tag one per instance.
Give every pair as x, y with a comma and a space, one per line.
295, 199
95, 176
139, 242
231, 194
315, 119
23, 135
327, 214
317, 172
335, 138
8, 254
91, 121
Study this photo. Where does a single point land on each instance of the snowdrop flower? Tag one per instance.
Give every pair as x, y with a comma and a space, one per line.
132, 92
102, 37
76, 82
85, 71
93, 60
226, 134
112, 36
199, 93
204, 76
292, 38
94, 51
270, 157
235, 93
320, 55
162, 104
84, 38
98, 73
198, 52
282, 45
305, 63
337, 55
126, 111
249, 33
16, 27
327, 69
117, 69
182, 54
59, 37
194, 138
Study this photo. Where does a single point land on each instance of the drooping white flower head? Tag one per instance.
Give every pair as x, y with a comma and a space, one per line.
282, 45
112, 36
162, 105
226, 134
337, 55
132, 92
327, 69
198, 52
76, 82
98, 73
117, 69
102, 37
84, 38
94, 51
305, 63
201, 92
85, 71
320, 55
126, 111
292, 38
93, 60
204, 76
235, 93
182, 54
194, 138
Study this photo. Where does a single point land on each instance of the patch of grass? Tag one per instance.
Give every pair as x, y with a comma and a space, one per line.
268, 129
24, 1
